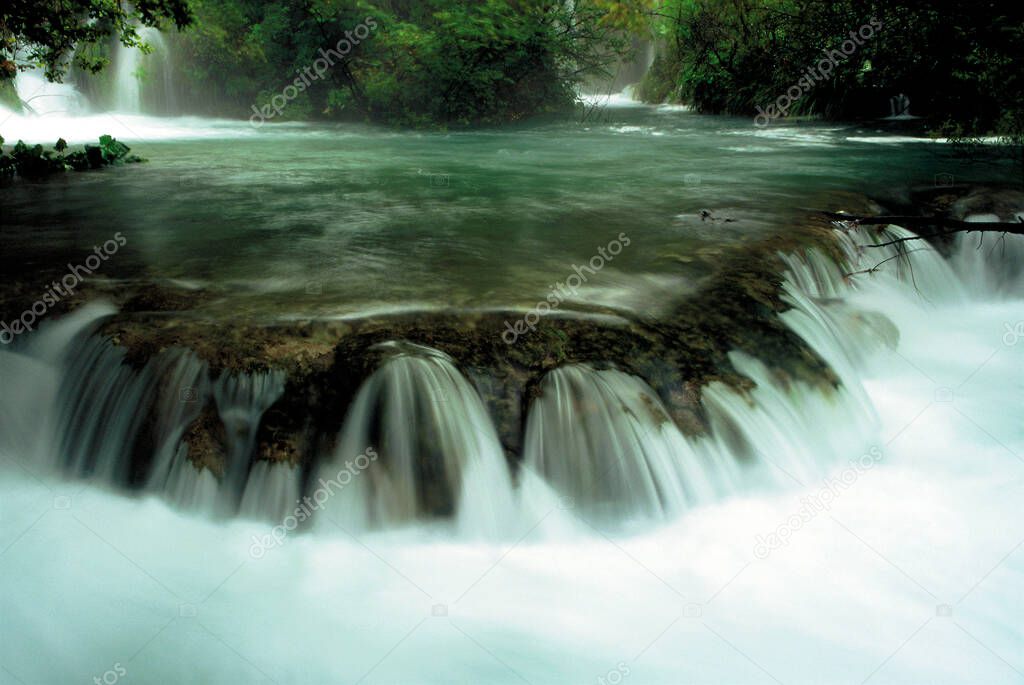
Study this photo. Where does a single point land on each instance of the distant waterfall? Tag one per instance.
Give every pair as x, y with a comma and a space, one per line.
137, 75
899, 106
44, 98
438, 452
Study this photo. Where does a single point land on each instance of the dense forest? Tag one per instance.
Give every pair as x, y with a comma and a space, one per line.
444, 62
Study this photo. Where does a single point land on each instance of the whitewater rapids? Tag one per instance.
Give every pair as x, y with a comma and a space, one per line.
914, 572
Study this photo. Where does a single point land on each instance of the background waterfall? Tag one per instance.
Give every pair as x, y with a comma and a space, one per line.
44, 98
142, 79
138, 83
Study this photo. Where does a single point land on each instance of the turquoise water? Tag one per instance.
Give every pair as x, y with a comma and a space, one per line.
297, 220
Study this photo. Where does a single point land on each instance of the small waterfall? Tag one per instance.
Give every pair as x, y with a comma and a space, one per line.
899, 107
133, 69
432, 448
185, 389
44, 98
95, 408
272, 491
94, 416
604, 439
241, 401
992, 263
27, 430
418, 443
103, 404
777, 427
190, 488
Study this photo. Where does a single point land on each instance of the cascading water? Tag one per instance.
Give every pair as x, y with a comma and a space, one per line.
102, 413
271, 492
185, 389
438, 450
604, 439
133, 69
915, 563
989, 264
45, 98
241, 401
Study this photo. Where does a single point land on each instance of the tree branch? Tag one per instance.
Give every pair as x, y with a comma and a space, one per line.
950, 226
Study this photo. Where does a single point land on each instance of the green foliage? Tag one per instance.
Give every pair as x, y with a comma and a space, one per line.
958, 62
48, 34
425, 62
36, 162
8, 95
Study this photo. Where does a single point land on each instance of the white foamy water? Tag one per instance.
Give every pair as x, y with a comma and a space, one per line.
87, 128
914, 572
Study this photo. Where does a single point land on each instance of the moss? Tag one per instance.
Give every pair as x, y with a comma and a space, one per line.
207, 442
9, 95
735, 308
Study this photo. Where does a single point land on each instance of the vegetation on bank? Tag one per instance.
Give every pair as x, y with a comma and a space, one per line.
35, 161
422, 62
451, 62
958, 63
52, 35
419, 63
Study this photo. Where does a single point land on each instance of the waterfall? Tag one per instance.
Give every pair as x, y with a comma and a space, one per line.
94, 404
899, 107
44, 98
433, 450
241, 401
272, 491
190, 488
103, 404
134, 69
990, 264
127, 95
417, 442
185, 391
604, 439
89, 414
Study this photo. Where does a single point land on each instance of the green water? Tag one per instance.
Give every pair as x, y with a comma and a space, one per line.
337, 221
